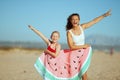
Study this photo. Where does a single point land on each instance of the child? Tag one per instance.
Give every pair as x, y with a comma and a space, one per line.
53, 45
48, 63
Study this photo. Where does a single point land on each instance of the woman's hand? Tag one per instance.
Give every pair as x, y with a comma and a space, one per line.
108, 13
86, 46
30, 27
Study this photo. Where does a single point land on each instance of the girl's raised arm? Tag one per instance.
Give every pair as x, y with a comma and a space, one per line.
46, 40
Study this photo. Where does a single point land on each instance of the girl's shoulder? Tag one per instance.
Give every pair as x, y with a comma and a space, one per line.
58, 45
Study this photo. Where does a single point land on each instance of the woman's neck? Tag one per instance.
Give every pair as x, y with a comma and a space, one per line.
75, 27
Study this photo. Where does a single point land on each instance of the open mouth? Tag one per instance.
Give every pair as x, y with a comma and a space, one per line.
75, 23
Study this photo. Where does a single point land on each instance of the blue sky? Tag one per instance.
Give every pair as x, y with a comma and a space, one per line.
50, 15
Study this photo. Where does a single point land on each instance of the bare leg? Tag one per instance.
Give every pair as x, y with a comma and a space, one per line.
84, 76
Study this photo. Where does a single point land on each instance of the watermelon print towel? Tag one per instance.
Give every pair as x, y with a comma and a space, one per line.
68, 65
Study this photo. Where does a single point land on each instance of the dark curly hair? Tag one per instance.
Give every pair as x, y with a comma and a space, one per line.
69, 24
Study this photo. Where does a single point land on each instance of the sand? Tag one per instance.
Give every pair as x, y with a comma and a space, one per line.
17, 64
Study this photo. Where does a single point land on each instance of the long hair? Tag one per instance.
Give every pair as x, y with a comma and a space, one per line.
69, 24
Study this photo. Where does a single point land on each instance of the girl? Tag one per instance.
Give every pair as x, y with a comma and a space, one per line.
47, 63
53, 45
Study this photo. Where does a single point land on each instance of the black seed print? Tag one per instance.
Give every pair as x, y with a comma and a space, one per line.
64, 67
82, 55
55, 64
50, 57
74, 61
78, 61
48, 63
61, 73
75, 67
77, 56
55, 69
79, 51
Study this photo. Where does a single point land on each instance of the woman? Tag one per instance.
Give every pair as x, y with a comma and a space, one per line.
76, 40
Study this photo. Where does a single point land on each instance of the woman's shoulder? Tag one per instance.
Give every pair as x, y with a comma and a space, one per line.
83, 26
69, 31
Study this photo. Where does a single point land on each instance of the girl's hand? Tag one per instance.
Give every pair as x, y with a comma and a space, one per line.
45, 51
108, 13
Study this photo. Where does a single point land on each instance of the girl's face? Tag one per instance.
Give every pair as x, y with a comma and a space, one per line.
55, 37
75, 20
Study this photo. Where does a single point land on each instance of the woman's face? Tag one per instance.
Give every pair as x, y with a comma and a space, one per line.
75, 20
55, 37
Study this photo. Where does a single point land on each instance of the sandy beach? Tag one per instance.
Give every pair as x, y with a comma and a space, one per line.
17, 64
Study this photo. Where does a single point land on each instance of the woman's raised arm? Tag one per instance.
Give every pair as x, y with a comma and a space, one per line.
97, 19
